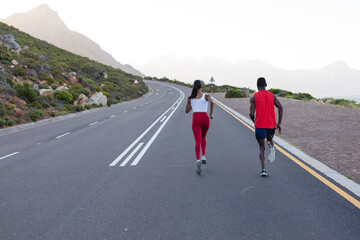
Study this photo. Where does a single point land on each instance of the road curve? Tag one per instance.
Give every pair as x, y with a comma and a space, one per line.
128, 172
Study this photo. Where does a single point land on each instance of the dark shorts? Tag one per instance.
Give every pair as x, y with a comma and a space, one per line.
261, 133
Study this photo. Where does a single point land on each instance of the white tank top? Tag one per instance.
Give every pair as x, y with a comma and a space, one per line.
199, 105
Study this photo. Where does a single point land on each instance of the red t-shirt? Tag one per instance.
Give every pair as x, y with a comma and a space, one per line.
265, 111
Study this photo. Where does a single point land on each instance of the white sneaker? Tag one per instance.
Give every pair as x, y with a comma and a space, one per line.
198, 167
203, 159
271, 157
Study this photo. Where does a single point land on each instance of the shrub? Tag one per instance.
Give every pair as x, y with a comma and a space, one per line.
88, 106
72, 108
5, 55
2, 123
35, 114
18, 114
75, 94
25, 92
79, 108
63, 96
344, 102
10, 82
53, 114
84, 91
19, 71
50, 80
36, 104
280, 92
302, 96
10, 107
9, 122
2, 110
233, 93
45, 105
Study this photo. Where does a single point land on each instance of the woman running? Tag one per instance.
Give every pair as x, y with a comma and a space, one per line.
198, 102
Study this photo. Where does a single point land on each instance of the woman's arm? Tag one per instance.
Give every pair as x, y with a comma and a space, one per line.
188, 106
209, 99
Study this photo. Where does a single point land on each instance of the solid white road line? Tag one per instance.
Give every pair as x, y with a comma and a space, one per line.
163, 119
134, 107
137, 140
142, 135
63, 135
93, 123
112, 116
125, 111
9, 155
143, 151
131, 155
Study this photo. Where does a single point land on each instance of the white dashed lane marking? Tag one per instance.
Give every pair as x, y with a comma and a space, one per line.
9, 155
93, 123
63, 135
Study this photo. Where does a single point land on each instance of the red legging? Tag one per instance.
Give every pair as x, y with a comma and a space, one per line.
200, 126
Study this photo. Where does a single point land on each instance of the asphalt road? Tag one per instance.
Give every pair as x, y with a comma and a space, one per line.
128, 172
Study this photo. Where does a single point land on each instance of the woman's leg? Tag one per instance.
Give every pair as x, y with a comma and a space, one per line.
204, 129
197, 135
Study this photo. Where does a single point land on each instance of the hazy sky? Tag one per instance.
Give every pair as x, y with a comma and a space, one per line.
290, 34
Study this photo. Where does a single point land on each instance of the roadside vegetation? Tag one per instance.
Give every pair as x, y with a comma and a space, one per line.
39, 80
308, 97
236, 92
231, 91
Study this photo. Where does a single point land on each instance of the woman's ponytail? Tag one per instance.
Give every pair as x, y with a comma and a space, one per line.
197, 86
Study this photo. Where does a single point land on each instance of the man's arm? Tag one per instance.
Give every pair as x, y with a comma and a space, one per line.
252, 108
280, 110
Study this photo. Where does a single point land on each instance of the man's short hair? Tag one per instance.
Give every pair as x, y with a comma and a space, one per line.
261, 82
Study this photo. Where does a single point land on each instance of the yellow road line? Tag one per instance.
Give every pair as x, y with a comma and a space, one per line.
338, 190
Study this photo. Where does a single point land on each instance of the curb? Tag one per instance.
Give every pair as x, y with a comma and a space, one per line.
68, 116
316, 164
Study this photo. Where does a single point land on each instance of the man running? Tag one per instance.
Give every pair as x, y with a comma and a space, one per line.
263, 103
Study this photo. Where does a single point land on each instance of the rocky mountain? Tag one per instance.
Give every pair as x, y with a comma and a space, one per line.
45, 24
335, 79
39, 80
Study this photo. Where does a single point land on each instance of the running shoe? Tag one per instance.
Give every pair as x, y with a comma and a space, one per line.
198, 167
203, 159
271, 157
263, 173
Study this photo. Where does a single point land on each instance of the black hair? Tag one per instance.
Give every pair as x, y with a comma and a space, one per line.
261, 82
197, 86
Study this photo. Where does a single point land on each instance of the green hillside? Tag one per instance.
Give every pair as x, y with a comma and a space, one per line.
41, 80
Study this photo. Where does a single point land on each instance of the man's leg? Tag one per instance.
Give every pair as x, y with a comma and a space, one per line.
270, 142
269, 137
261, 142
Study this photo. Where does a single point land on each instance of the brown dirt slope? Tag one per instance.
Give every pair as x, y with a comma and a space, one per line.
328, 133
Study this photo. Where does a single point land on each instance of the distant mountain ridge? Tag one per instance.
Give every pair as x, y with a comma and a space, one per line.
332, 80
45, 24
